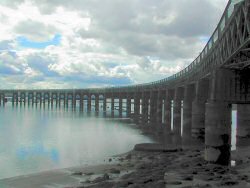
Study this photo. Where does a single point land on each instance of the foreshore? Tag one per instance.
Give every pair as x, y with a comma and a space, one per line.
154, 167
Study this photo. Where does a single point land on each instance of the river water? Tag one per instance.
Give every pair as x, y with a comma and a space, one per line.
34, 139
39, 138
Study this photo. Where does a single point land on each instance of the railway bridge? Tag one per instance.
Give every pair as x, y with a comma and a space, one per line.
199, 98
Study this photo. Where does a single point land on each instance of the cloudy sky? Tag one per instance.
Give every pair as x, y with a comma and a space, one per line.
96, 43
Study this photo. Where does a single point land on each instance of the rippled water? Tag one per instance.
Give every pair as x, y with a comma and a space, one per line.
34, 139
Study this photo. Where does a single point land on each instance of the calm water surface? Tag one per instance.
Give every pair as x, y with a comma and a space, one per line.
37, 139
34, 139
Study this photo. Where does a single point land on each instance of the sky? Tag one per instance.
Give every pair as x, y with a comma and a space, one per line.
100, 43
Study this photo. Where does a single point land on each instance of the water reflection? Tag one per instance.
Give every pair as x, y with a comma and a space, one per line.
25, 153
37, 138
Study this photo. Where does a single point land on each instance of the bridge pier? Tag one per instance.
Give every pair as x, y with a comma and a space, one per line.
104, 104
112, 105
120, 105
218, 132
38, 98
145, 104
128, 106
167, 117
97, 103
73, 101
66, 100
153, 108
49, 98
189, 94
31, 97
159, 103
89, 103
81, 102
198, 113
177, 116
23, 98
218, 119
136, 116
243, 126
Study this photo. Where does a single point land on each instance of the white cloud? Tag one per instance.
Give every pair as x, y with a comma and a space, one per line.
127, 41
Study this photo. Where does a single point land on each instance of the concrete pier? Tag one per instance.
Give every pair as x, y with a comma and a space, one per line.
128, 110
159, 108
189, 95
243, 126
96, 103
179, 94
198, 113
169, 95
145, 103
104, 104
112, 106
153, 110
89, 103
120, 105
136, 107
218, 143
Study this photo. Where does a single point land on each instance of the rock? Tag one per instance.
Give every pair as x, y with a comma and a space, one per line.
87, 181
174, 183
89, 173
121, 159
77, 173
199, 164
114, 171
101, 179
154, 147
148, 180
188, 178
106, 176
229, 183
128, 157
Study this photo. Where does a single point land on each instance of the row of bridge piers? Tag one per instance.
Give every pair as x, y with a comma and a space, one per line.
188, 116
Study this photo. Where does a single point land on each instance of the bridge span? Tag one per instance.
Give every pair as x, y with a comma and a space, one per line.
206, 90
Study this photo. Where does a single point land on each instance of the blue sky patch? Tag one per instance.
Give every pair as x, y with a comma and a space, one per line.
204, 38
26, 43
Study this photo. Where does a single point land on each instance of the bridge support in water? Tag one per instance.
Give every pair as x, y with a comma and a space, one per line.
189, 95
169, 95
243, 125
198, 113
128, 105
218, 143
218, 117
159, 104
179, 94
145, 103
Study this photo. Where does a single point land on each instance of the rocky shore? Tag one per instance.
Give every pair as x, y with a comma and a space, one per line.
154, 168
174, 169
